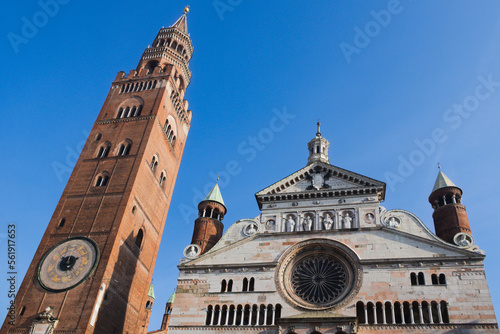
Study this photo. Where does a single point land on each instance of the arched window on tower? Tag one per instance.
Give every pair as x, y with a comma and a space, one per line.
245, 285
139, 238
154, 163
163, 178
124, 149
442, 279
103, 151
223, 286
102, 180
120, 113
230, 285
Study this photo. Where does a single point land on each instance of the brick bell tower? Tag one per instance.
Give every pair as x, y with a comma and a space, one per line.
92, 270
208, 226
450, 216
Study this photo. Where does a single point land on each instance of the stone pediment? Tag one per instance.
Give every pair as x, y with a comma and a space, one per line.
325, 179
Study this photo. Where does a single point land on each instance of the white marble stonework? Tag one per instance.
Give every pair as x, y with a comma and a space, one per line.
324, 256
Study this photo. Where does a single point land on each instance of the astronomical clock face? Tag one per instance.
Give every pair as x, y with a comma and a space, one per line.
68, 264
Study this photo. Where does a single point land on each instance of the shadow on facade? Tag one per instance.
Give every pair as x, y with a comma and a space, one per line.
113, 312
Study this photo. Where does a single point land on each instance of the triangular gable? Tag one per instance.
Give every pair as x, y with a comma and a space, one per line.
323, 177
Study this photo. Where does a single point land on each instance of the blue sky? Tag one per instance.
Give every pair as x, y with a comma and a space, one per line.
398, 87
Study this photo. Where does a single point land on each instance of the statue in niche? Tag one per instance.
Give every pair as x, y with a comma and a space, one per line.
251, 229
308, 223
394, 222
328, 222
290, 224
192, 251
347, 220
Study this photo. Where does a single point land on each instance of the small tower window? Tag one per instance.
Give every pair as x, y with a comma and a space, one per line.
23, 309
223, 286
120, 113
102, 180
103, 151
149, 305
124, 149
230, 285
245, 285
61, 222
163, 178
138, 239
442, 279
154, 163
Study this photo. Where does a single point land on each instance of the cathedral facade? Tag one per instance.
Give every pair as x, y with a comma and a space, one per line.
324, 256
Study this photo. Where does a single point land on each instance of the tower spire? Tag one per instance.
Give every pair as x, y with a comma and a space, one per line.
318, 148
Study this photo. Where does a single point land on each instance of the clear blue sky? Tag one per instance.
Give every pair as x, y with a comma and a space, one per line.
421, 86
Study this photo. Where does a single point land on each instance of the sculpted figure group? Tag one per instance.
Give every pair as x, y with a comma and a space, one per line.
327, 222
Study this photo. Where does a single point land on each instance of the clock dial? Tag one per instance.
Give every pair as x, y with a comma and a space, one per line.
68, 264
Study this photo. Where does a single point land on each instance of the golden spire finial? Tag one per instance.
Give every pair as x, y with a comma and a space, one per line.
186, 9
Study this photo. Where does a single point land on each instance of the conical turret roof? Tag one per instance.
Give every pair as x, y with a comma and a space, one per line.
151, 292
442, 181
171, 299
215, 195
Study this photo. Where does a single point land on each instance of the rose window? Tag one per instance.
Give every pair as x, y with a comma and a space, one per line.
319, 280
318, 274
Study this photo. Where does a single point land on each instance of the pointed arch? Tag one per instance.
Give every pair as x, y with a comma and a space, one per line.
139, 238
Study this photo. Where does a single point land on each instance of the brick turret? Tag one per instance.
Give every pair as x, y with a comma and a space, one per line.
450, 216
208, 226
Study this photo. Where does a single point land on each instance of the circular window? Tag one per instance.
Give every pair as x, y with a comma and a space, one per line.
318, 274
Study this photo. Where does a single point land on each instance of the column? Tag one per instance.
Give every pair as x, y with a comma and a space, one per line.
420, 313
250, 317
366, 314
393, 314
412, 317
227, 316
212, 317
317, 222
384, 316
234, 314
242, 315
375, 320
454, 199
265, 315
444, 200
431, 321
220, 317
274, 314
258, 316
402, 313
440, 316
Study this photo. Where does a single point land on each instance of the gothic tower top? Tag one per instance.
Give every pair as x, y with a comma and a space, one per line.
318, 148
172, 46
